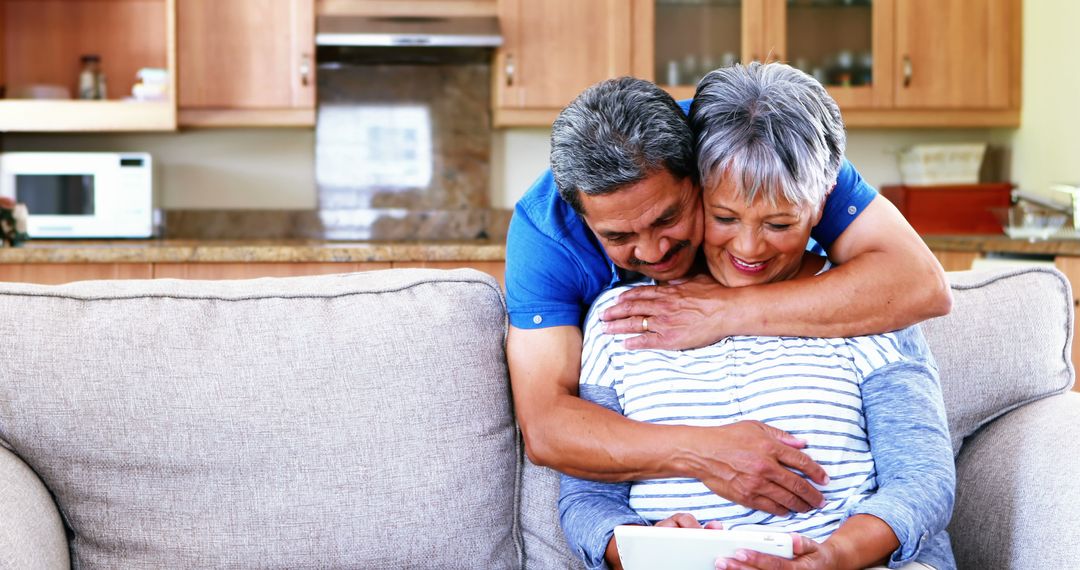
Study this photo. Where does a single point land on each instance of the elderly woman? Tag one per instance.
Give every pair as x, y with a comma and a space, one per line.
769, 142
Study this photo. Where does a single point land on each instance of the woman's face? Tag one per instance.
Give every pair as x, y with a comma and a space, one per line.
756, 243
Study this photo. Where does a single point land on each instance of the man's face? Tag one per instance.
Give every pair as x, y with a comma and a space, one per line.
652, 227
751, 244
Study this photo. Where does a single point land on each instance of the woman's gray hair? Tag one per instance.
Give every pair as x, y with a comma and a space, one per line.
616, 133
772, 128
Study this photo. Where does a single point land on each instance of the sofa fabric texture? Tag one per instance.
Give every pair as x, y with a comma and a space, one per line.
39, 541
1006, 342
1016, 493
339, 421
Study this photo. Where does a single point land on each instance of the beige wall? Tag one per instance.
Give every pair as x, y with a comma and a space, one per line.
1046, 147
209, 169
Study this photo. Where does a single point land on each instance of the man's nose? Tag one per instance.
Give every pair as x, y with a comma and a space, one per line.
652, 250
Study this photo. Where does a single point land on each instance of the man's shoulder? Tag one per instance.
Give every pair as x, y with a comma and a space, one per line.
544, 207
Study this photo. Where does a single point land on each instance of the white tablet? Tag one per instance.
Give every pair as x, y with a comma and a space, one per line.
652, 547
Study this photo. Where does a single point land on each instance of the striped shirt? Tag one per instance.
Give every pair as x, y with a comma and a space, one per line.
808, 387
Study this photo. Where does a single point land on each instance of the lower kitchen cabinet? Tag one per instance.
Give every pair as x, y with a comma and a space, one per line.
492, 268
253, 270
57, 273
956, 260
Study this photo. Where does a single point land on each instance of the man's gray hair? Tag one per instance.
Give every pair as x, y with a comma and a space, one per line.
616, 133
772, 128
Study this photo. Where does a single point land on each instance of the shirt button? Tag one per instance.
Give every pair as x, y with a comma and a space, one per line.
851, 210
537, 319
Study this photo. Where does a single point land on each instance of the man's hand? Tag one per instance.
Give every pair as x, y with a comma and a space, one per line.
680, 315
750, 463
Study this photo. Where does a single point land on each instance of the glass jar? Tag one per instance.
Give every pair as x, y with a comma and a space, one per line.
91, 78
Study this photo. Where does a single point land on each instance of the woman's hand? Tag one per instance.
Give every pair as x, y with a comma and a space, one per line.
809, 555
684, 520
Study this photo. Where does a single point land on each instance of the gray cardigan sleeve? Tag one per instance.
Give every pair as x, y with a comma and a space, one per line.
589, 511
909, 439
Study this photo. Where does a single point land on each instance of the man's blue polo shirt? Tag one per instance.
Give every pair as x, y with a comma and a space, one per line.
555, 267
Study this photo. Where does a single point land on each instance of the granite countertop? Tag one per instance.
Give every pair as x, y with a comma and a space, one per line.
1000, 243
248, 251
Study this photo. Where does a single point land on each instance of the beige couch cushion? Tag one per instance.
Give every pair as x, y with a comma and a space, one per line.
340, 421
1005, 343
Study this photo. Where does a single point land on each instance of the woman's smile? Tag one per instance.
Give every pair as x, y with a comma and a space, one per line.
747, 267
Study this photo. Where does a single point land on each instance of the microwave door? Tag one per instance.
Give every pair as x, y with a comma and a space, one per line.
58, 203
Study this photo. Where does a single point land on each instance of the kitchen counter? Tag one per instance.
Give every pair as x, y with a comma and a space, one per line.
1000, 243
249, 251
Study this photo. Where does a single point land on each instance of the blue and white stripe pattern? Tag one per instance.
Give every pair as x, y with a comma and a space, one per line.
809, 387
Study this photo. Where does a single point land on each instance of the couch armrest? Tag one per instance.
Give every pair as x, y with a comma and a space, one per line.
31, 534
1017, 502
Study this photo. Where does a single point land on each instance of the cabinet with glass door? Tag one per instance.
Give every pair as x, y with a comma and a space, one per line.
843, 43
676, 42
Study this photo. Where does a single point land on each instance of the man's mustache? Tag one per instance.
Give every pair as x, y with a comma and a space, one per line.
679, 246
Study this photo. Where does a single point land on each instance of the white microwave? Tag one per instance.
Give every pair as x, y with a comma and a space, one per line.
82, 194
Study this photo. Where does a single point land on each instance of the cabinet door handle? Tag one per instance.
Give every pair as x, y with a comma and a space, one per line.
305, 70
509, 68
907, 70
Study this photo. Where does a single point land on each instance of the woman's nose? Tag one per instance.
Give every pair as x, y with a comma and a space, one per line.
748, 243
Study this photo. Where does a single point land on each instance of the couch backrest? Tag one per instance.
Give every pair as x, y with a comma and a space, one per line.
340, 421
1006, 342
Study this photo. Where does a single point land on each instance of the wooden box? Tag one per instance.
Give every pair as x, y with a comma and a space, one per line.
959, 209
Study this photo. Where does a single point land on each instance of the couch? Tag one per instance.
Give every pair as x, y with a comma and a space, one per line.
365, 421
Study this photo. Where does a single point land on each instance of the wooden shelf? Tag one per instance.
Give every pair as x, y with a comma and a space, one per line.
73, 116
42, 42
230, 118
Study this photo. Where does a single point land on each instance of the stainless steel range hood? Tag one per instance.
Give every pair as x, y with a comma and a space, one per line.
407, 31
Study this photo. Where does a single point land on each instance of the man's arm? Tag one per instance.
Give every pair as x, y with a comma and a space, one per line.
747, 462
886, 279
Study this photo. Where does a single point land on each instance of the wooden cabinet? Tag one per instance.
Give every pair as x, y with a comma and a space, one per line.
955, 54
956, 260
42, 42
846, 44
888, 63
57, 273
246, 62
552, 50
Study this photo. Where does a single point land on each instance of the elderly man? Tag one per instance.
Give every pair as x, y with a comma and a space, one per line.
623, 195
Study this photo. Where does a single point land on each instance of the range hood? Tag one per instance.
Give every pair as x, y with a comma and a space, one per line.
407, 31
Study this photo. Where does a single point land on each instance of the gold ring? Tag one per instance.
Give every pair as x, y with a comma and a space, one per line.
644, 324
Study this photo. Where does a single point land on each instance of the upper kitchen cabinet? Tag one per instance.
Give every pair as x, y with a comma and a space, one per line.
246, 62
676, 42
553, 50
888, 63
42, 71
844, 44
960, 54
